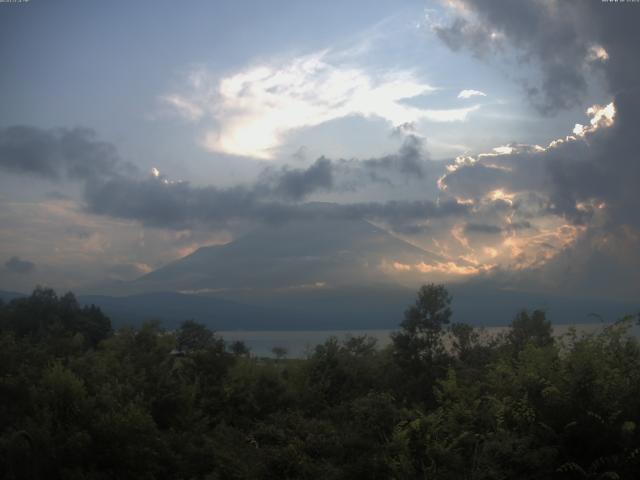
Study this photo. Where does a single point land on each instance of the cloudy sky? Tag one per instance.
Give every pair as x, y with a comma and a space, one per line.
500, 135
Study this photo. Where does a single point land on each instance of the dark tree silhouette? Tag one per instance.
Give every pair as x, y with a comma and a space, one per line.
534, 328
418, 347
193, 336
239, 348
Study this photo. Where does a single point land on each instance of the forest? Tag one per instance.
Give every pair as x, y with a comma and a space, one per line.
79, 400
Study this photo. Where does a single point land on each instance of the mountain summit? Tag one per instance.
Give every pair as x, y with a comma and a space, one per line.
293, 255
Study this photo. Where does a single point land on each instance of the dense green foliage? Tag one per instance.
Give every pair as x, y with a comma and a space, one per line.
442, 401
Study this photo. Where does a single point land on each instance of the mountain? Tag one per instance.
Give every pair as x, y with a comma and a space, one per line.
305, 254
304, 274
315, 275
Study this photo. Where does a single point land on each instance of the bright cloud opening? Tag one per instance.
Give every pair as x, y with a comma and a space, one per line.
253, 110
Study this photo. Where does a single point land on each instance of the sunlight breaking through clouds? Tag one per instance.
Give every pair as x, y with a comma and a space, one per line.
250, 112
600, 117
447, 268
597, 53
522, 226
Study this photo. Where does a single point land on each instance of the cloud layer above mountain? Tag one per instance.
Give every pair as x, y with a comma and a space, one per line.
115, 188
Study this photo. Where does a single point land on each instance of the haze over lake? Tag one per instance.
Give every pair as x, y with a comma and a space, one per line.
300, 344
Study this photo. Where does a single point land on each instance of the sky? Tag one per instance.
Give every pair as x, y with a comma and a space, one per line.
501, 137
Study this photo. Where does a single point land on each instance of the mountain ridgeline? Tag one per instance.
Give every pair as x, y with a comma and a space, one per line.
316, 274
293, 255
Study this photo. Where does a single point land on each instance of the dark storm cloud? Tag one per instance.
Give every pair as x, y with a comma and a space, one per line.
57, 153
56, 195
558, 178
18, 265
592, 181
117, 189
463, 34
410, 160
296, 184
491, 229
159, 203
516, 226
602, 168
276, 197
77, 154
482, 228
556, 36
570, 179
401, 211
474, 181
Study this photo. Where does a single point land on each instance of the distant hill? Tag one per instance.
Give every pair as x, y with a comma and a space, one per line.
307, 274
7, 296
334, 309
372, 307
172, 308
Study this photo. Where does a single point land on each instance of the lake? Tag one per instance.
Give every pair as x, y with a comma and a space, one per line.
300, 343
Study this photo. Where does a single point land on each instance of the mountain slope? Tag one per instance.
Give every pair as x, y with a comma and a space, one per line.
301, 254
315, 275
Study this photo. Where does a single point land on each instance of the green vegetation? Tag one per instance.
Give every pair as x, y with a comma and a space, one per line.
79, 401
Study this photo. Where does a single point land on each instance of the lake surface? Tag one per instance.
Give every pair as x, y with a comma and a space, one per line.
300, 343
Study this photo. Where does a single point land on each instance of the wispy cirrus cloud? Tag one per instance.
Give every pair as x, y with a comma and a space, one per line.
250, 112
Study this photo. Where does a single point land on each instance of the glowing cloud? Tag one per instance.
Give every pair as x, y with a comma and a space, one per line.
601, 116
503, 150
597, 53
447, 268
471, 93
503, 188
500, 194
253, 110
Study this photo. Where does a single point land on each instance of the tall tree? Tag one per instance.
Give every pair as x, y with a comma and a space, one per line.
193, 336
418, 348
534, 328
